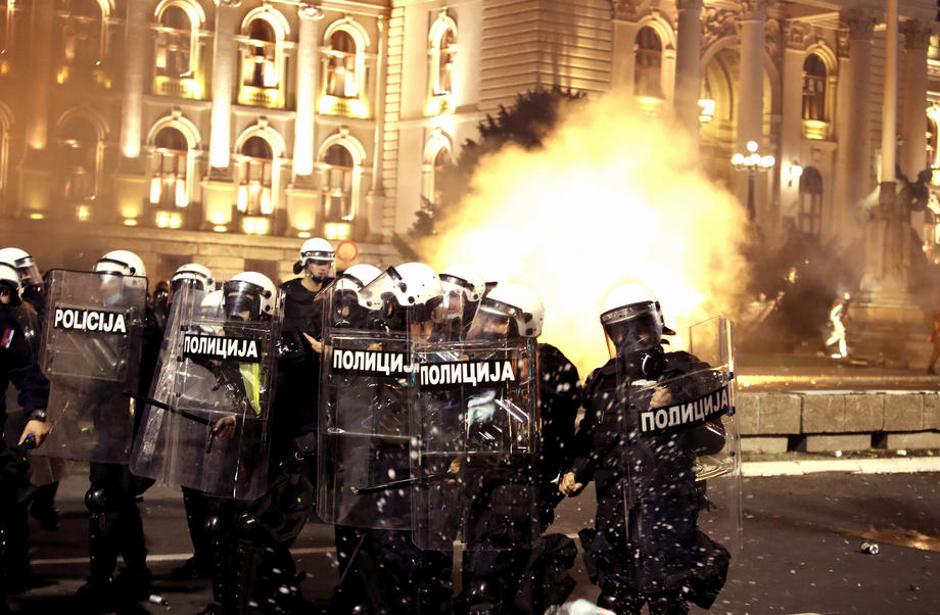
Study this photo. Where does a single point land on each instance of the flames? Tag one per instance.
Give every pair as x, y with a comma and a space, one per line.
612, 196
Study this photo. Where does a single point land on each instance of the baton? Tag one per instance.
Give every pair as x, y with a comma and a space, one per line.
402, 483
183, 413
159, 404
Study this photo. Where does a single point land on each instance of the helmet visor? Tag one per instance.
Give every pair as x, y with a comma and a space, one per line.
632, 328
242, 300
28, 272
192, 281
495, 320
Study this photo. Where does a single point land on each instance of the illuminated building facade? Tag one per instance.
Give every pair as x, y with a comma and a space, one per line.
224, 131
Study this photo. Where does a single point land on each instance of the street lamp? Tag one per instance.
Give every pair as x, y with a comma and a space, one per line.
751, 163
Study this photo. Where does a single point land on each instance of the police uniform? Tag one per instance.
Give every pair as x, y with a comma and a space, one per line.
531, 580
646, 545
18, 366
115, 525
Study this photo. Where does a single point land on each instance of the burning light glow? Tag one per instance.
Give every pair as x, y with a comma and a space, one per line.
613, 195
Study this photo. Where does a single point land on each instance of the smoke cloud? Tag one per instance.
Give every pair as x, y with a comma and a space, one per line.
613, 196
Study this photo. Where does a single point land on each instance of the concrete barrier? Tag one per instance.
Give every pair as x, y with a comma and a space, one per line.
822, 421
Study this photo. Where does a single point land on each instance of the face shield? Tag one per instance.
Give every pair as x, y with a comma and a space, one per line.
28, 272
635, 335
197, 283
242, 300
349, 310
456, 301
494, 320
381, 298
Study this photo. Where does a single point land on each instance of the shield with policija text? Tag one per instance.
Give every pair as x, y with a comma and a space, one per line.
681, 466
365, 442
91, 355
206, 423
476, 426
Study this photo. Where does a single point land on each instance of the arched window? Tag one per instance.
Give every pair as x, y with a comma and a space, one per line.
258, 63
443, 53
437, 157
340, 168
168, 185
263, 60
809, 217
175, 43
84, 36
649, 62
814, 88
342, 78
256, 180
81, 158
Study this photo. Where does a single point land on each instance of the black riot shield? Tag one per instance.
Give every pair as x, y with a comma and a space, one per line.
206, 424
681, 467
476, 425
91, 356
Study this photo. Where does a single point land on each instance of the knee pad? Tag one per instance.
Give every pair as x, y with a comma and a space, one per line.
96, 500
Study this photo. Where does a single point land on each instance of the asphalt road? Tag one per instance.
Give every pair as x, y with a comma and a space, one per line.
800, 550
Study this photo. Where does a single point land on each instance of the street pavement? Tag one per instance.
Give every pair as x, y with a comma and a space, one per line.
801, 549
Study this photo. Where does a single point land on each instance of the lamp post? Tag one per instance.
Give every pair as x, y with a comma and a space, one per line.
752, 163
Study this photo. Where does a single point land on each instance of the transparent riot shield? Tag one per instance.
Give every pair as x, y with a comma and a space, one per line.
91, 355
681, 467
365, 443
206, 423
476, 425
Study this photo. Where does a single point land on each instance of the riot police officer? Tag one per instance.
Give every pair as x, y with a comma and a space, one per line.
531, 578
29, 275
115, 524
194, 502
30, 315
17, 365
295, 412
366, 438
646, 546
253, 568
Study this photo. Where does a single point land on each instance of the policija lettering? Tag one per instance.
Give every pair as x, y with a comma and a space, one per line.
217, 347
699, 410
97, 321
393, 364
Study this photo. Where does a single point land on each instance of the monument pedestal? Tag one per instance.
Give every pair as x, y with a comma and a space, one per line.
887, 324
889, 330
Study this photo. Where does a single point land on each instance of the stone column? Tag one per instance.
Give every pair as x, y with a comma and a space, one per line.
751, 76
914, 118
791, 125
375, 197
37, 132
688, 65
853, 156
623, 68
889, 104
135, 43
224, 58
308, 63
